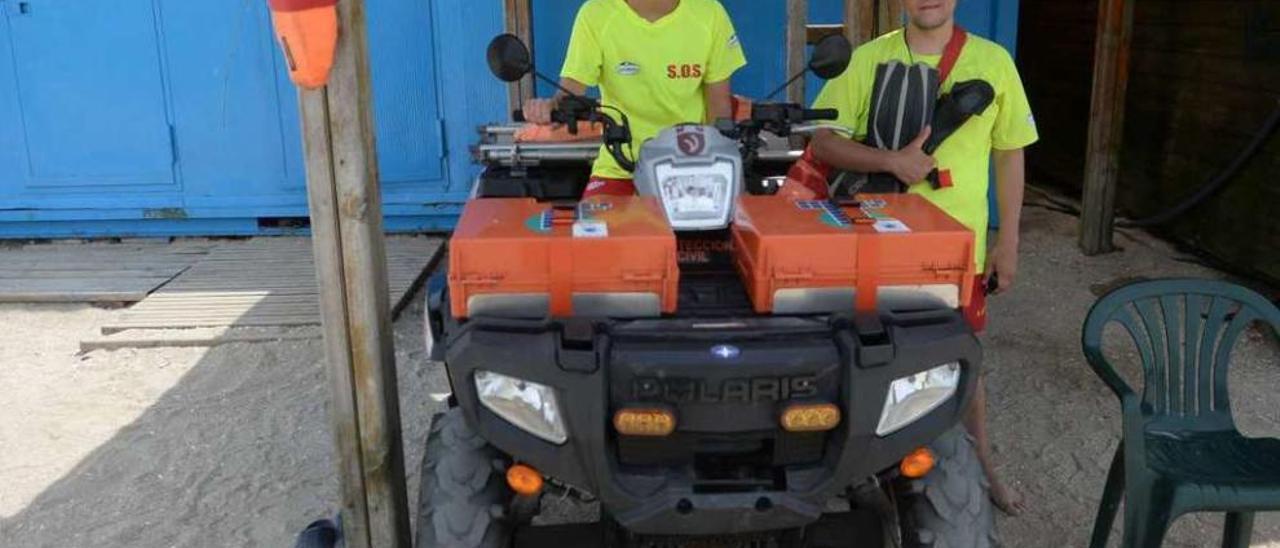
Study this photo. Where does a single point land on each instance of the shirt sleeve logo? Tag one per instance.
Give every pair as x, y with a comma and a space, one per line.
627, 68
733, 41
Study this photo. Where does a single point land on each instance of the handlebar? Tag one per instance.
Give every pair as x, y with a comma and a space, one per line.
777, 118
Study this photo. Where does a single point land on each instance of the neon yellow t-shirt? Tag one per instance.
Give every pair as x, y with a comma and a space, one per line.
652, 71
1006, 125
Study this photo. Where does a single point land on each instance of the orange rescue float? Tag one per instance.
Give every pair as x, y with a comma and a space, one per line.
308, 35
799, 256
609, 257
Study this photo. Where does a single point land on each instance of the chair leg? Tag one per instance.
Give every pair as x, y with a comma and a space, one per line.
1110, 501
1238, 530
1147, 514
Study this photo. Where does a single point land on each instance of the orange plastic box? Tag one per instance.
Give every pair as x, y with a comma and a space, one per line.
818, 256
515, 257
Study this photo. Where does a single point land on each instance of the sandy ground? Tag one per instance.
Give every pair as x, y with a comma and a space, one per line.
230, 446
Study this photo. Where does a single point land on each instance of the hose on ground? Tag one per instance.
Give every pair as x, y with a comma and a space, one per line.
1217, 183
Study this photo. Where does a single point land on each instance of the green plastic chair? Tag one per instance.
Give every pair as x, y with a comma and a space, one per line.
1180, 450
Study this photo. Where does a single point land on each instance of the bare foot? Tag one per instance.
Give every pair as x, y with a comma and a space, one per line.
1007, 500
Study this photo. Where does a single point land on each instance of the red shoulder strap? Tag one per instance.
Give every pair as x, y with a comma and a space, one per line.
952, 54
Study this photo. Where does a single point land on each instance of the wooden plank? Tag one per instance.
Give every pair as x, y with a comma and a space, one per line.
815, 33
860, 21
214, 298
891, 16
75, 290
1106, 130
86, 272
45, 274
518, 22
224, 312
797, 38
117, 328
84, 296
18, 261
252, 283
189, 341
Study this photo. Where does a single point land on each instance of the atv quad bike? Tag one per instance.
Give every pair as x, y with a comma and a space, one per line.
539, 402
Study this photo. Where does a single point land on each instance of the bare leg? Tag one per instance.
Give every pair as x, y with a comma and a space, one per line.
975, 420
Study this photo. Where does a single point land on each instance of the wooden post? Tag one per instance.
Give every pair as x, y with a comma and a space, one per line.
890, 15
519, 22
859, 21
1106, 124
350, 257
797, 42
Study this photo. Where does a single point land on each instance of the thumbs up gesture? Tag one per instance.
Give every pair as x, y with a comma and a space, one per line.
910, 164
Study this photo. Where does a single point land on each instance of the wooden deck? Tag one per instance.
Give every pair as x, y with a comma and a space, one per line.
93, 272
264, 282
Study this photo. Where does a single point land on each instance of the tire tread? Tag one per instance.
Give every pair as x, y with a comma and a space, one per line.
463, 496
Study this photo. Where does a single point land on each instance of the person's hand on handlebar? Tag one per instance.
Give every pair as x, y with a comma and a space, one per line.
538, 111
910, 164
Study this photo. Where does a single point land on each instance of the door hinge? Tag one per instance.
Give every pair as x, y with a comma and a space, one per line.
440, 136
173, 146
16, 7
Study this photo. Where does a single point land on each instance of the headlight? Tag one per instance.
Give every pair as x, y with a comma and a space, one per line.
915, 396
697, 198
530, 406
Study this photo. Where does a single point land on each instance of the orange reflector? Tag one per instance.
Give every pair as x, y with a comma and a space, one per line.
654, 422
810, 417
917, 464
524, 480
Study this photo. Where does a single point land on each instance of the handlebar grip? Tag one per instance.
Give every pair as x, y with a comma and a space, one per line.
517, 115
821, 114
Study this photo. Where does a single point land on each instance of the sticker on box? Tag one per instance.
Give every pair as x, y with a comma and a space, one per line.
875, 213
874, 203
590, 229
891, 226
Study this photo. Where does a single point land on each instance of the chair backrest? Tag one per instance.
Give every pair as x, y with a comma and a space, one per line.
1184, 331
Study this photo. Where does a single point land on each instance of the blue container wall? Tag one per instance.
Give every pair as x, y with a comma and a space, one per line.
144, 117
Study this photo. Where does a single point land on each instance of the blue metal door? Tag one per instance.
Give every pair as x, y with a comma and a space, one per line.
87, 96
236, 115
407, 110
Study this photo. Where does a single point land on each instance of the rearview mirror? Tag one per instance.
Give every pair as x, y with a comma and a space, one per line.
509, 58
831, 56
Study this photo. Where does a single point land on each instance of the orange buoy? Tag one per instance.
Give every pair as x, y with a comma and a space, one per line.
308, 35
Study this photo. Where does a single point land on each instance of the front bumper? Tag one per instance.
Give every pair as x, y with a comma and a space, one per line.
590, 366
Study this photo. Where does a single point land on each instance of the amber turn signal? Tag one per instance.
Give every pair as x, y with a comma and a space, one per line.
917, 464
652, 422
524, 480
810, 417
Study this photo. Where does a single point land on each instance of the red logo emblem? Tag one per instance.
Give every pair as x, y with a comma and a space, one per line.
691, 140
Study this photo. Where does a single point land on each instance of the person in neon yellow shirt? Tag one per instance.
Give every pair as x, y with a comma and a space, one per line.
662, 62
1000, 133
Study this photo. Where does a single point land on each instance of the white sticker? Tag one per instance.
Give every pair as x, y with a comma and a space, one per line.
590, 229
891, 226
